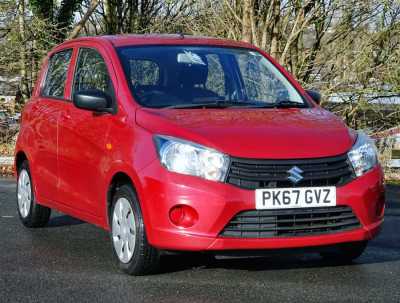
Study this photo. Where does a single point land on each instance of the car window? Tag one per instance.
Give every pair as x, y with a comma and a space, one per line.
57, 74
261, 81
165, 76
144, 72
91, 72
216, 76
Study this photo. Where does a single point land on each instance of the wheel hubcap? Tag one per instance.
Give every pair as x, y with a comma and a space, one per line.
123, 230
24, 193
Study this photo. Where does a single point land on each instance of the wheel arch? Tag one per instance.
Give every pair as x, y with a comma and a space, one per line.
20, 157
117, 179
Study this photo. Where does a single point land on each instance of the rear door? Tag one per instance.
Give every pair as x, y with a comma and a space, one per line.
82, 137
46, 110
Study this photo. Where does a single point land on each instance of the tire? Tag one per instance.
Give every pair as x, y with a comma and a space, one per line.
133, 253
345, 253
30, 212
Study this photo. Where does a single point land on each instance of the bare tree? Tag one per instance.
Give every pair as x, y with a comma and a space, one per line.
78, 27
247, 21
22, 53
275, 33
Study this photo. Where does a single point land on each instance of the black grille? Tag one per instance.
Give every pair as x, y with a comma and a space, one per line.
291, 222
252, 173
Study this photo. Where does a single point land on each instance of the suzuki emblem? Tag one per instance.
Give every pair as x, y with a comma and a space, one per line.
295, 174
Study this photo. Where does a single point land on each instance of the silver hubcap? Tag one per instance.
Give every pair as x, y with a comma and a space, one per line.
123, 230
24, 193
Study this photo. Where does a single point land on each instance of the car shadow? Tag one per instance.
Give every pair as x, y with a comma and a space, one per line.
284, 261
63, 220
86, 238
385, 248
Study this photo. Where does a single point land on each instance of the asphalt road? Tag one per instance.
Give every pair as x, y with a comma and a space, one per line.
70, 261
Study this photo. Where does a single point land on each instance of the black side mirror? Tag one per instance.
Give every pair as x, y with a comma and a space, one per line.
315, 95
93, 100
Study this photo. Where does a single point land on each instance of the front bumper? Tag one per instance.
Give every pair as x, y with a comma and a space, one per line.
217, 203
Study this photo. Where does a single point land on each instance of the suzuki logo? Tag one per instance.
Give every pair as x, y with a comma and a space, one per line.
295, 174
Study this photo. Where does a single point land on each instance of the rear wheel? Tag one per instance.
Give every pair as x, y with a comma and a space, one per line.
346, 252
134, 254
30, 213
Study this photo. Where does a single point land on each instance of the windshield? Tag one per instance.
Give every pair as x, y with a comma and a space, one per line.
182, 76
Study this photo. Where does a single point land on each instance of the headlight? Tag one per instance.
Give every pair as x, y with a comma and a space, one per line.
189, 158
363, 154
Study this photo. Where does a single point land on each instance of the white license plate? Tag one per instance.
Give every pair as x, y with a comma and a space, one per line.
301, 197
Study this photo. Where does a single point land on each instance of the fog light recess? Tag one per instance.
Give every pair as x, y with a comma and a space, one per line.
183, 216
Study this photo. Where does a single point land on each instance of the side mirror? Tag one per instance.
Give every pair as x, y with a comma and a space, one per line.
93, 100
315, 95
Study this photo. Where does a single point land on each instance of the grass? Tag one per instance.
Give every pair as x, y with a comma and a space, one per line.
396, 154
6, 149
393, 182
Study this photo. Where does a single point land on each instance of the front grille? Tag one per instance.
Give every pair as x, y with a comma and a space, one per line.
291, 222
252, 173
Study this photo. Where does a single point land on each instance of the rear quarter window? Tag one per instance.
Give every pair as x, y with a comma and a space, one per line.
57, 74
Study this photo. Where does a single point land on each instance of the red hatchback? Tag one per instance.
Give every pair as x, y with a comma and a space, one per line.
178, 143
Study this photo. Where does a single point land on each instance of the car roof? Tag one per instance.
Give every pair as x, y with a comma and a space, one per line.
158, 39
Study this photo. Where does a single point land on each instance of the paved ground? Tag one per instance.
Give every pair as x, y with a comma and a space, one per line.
71, 261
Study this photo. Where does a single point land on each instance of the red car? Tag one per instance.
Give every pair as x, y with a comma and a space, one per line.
179, 143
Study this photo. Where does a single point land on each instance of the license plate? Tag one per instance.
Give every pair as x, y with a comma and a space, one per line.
302, 197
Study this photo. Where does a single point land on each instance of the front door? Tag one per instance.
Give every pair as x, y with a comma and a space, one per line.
82, 139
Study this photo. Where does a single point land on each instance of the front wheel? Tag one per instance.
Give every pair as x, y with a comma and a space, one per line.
346, 252
135, 256
30, 213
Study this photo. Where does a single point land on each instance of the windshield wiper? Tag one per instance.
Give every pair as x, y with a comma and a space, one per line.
242, 104
218, 104
288, 104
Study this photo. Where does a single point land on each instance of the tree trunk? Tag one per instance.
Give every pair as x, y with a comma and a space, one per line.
24, 87
110, 16
298, 27
276, 13
246, 21
81, 24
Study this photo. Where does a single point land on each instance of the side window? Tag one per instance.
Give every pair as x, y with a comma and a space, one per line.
144, 72
91, 72
57, 74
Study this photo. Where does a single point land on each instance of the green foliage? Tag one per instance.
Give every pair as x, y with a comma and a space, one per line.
61, 15
40, 38
65, 16
43, 9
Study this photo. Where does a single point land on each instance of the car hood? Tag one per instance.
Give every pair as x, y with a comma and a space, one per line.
254, 133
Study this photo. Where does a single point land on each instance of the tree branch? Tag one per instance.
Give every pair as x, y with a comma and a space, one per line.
81, 23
